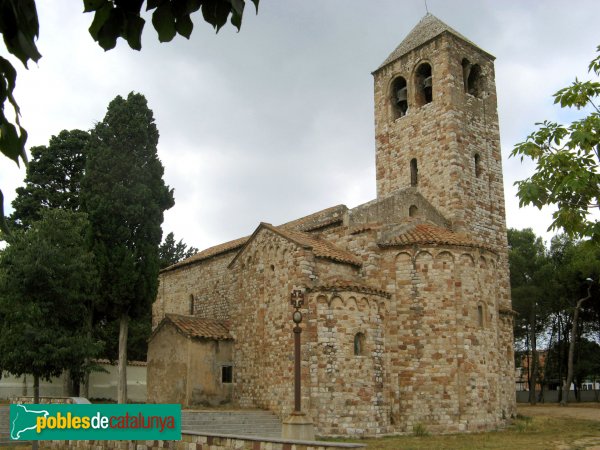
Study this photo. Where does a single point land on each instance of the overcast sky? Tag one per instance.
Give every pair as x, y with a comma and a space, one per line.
276, 122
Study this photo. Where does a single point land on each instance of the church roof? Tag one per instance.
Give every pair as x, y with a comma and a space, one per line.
320, 219
319, 247
428, 28
209, 253
196, 327
427, 234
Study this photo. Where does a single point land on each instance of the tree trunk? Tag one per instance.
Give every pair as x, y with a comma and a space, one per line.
534, 359
566, 387
84, 390
36, 389
122, 388
36, 400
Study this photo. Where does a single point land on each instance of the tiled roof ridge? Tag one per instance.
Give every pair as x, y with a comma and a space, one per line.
319, 247
237, 243
209, 253
424, 233
428, 28
197, 327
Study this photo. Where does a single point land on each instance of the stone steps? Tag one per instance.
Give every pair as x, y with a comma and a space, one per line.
245, 423
5, 440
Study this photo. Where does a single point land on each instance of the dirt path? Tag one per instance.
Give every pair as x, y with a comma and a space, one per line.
588, 411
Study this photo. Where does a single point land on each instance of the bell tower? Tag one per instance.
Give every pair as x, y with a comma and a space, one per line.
436, 128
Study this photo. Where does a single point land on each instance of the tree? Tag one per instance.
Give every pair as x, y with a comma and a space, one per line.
53, 177
567, 159
19, 27
47, 285
171, 252
530, 274
125, 196
577, 268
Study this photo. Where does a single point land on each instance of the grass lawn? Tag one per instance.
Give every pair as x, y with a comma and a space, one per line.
528, 433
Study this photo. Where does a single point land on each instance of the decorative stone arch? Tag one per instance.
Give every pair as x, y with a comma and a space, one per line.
483, 264
423, 260
336, 302
398, 92
445, 258
381, 309
363, 305
351, 304
322, 300
467, 260
423, 83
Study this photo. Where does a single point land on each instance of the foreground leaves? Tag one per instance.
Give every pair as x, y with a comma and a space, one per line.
567, 161
122, 19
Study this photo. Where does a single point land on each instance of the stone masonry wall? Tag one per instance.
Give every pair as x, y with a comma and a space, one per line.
346, 383
207, 284
447, 359
263, 350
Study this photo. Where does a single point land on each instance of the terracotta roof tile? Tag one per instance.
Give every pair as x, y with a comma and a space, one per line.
320, 248
209, 253
196, 327
430, 234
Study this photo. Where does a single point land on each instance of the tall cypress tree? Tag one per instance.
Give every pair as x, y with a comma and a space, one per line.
125, 197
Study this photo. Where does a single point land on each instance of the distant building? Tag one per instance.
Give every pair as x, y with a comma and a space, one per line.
408, 316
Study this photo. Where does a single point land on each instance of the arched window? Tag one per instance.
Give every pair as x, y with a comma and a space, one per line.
191, 304
477, 163
399, 97
472, 78
413, 211
359, 344
424, 84
414, 172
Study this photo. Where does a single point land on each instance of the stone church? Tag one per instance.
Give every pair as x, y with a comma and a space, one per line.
407, 312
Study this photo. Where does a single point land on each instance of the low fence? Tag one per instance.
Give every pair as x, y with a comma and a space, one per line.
202, 441
103, 385
553, 396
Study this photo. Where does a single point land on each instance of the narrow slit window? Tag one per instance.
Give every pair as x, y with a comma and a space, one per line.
414, 172
191, 304
359, 344
480, 315
477, 163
